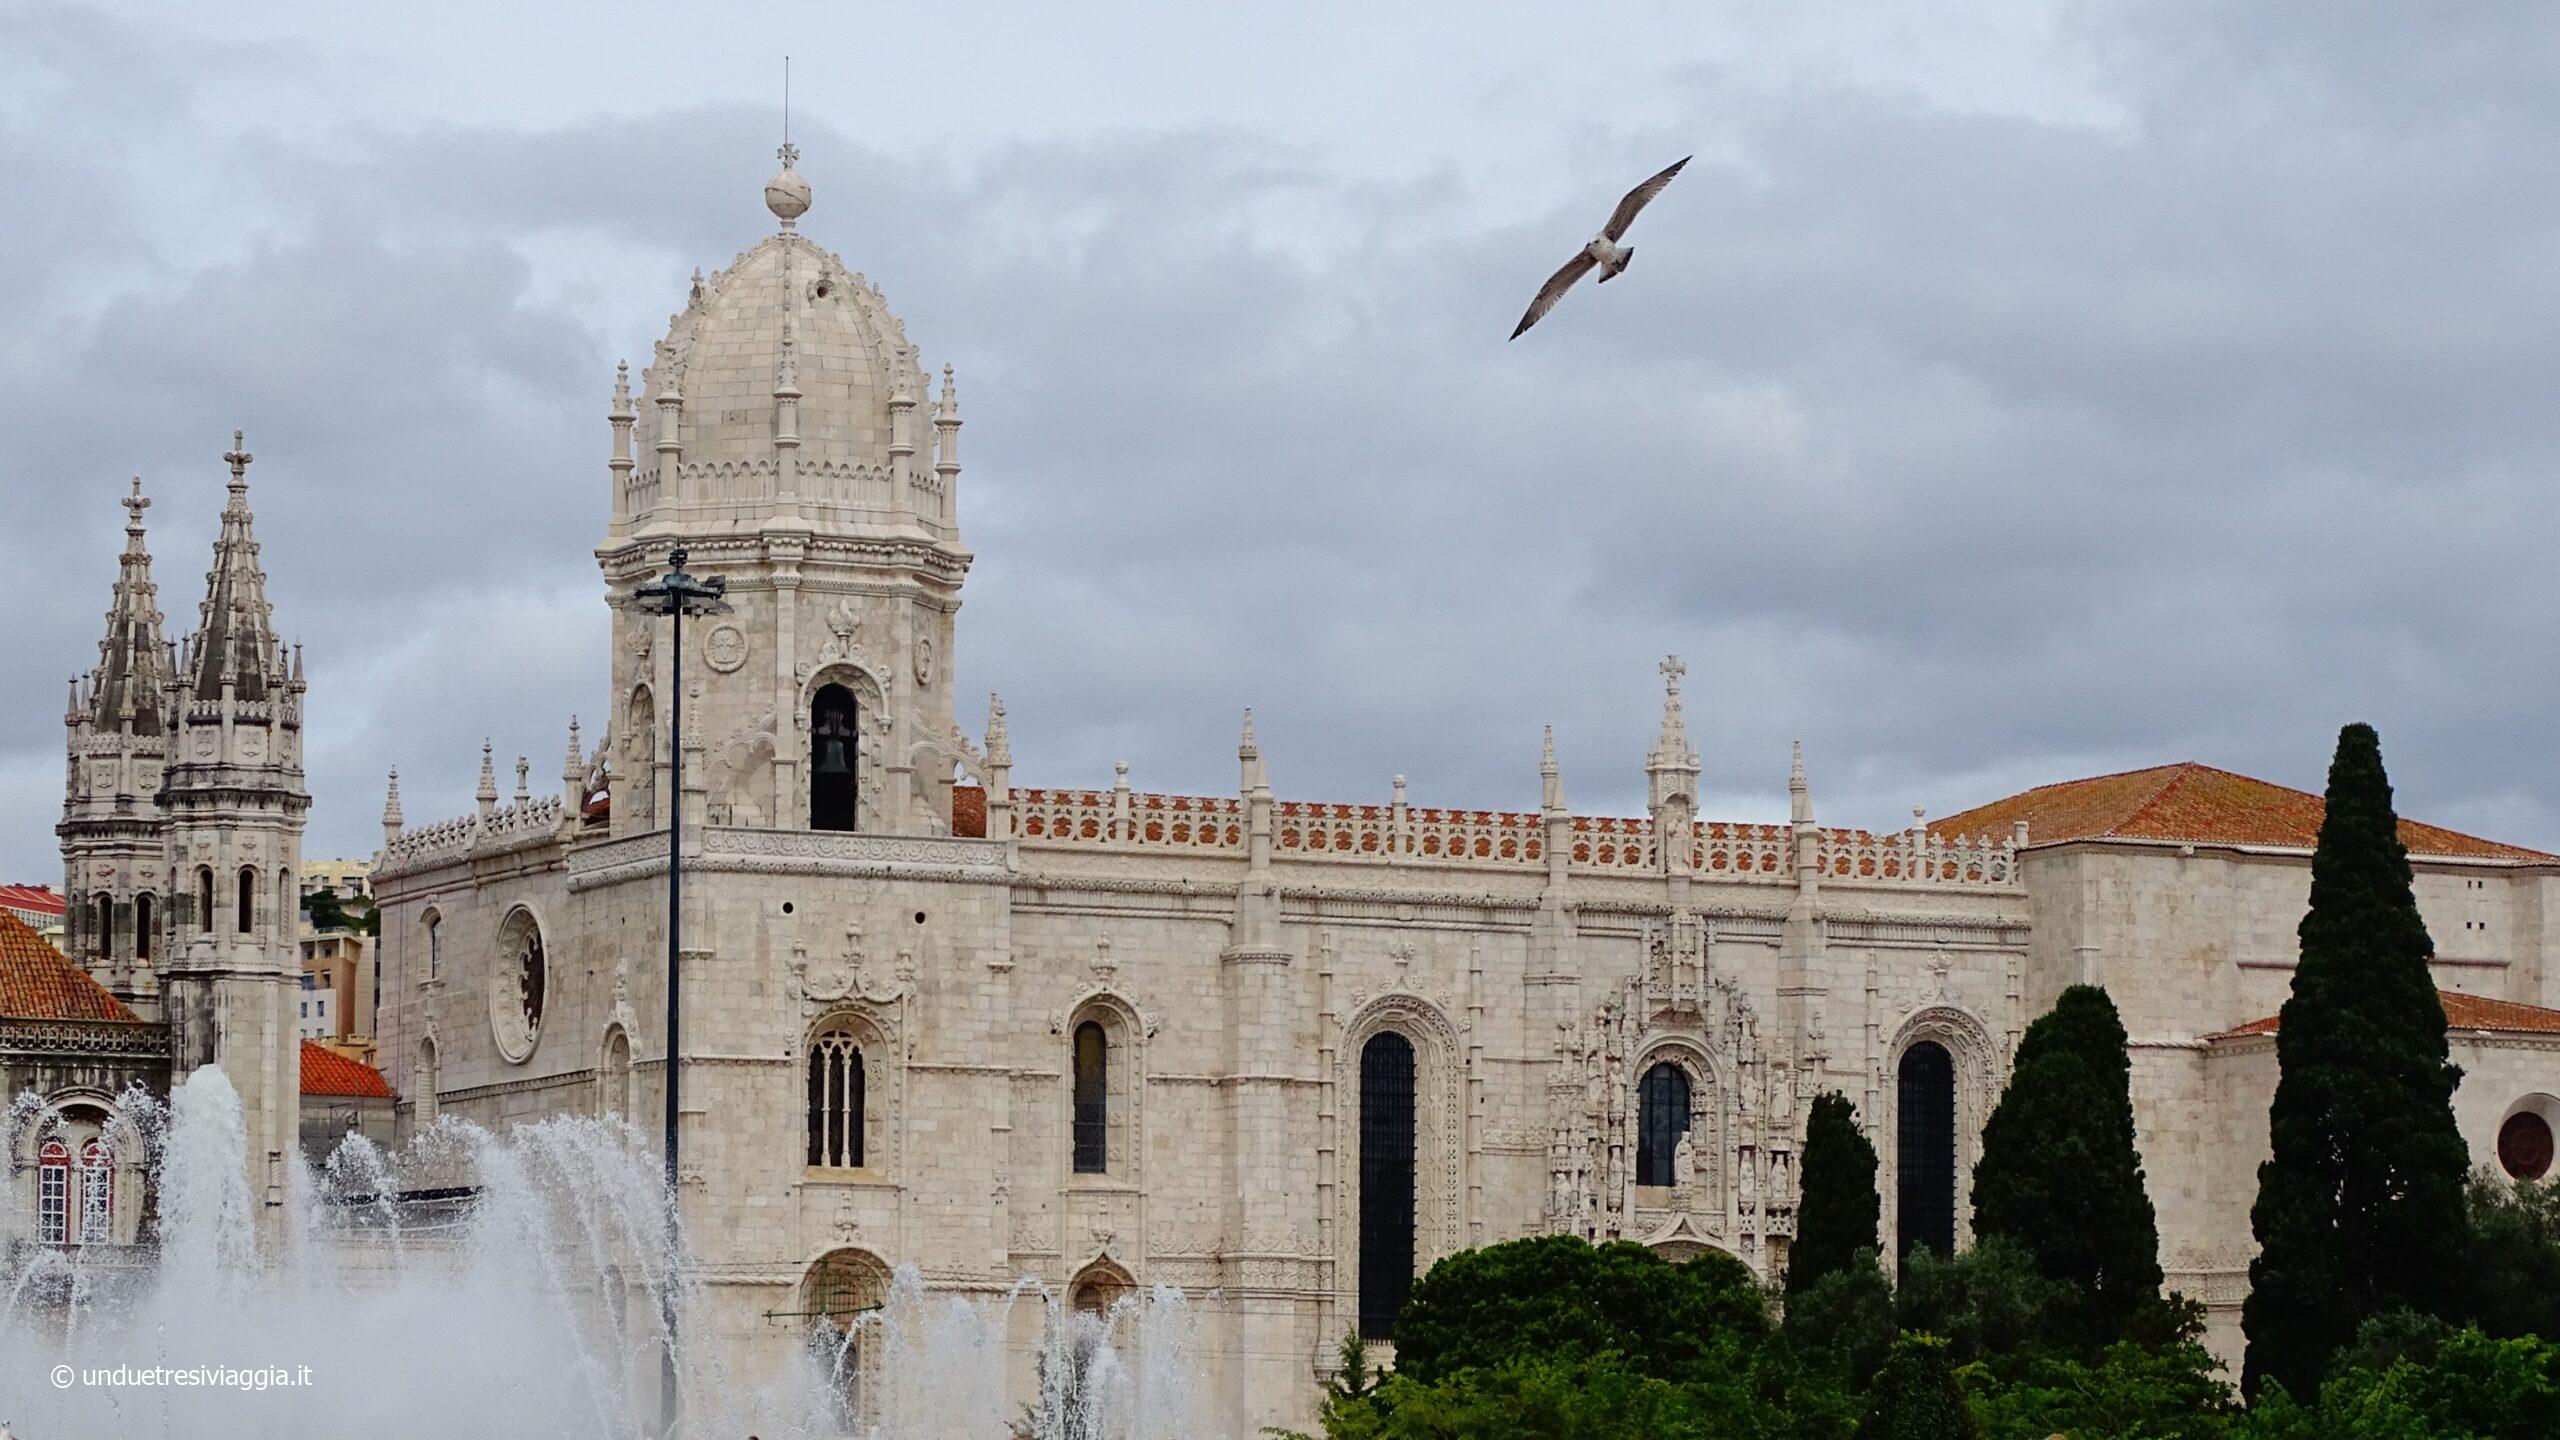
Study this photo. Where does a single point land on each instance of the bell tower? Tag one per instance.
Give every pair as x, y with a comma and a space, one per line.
235, 802
785, 434
113, 831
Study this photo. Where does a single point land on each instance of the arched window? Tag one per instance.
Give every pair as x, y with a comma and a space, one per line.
423, 1107
143, 920
1662, 1105
1092, 1099
841, 1287
1098, 1287
834, 749
434, 921
1386, 1181
1925, 1149
97, 1193
102, 925
613, 1077
204, 899
836, 1100
248, 898
53, 1193
640, 742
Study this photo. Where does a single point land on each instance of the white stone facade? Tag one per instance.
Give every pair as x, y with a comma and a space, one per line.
1240, 955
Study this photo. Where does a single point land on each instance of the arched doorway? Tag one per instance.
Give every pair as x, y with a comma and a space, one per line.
1925, 1149
1386, 1181
834, 752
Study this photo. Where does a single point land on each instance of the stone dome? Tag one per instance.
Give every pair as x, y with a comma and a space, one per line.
724, 355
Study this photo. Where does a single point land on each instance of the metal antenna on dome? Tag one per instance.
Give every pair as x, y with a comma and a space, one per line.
789, 154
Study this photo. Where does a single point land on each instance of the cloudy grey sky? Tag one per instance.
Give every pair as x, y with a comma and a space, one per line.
2008, 392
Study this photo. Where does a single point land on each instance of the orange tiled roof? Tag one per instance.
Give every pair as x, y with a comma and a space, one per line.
36, 983
326, 1072
2461, 1012
969, 811
2195, 803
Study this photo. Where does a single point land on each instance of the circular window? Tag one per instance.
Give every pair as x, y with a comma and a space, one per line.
2524, 1145
518, 986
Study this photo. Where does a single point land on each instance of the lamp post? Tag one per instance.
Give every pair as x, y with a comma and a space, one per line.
675, 595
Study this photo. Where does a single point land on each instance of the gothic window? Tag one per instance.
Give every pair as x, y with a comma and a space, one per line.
1662, 1104
1092, 1099
204, 899
97, 1193
143, 920
841, 1287
1386, 1181
53, 1193
834, 748
248, 899
102, 934
836, 1100
1925, 1149
614, 1075
434, 921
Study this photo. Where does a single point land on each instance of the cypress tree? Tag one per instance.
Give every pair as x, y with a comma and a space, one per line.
1836, 1207
2360, 1202
2059, 1173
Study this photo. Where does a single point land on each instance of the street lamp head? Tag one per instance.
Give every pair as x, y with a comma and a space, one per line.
676, 590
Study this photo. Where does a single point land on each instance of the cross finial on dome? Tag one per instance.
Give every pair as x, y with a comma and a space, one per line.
786, 194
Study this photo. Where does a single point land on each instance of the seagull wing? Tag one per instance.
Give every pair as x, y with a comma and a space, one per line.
1637, 199
1558, 283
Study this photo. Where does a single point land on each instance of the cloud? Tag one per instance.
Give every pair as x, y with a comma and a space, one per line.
1977, 448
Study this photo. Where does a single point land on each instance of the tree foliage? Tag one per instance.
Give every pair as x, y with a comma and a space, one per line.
1554, 1296
1987, 1303
2059, 1173
2359, 1205
1844, 1321
2515, 1256
1837, 1208
2471, 1387
1916, 1396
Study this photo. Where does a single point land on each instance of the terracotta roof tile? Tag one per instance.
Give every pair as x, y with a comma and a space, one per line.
36, 983
326, 1072
42, 899
2461, 1012
2195, 803
969, 811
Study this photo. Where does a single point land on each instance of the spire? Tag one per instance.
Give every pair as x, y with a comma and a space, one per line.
1671, 749
524, 771
574, 766
1671, 767
1249, 757
1550, 777
487, 794
1799, 794
124, 691
391, 818
946, 432
235, 640
999, 739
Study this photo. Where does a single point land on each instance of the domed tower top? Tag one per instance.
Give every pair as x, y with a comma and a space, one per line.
785, 397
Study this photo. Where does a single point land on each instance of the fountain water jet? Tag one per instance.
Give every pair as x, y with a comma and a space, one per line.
520, 1298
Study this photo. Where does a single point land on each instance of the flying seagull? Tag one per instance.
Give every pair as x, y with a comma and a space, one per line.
1604, 250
